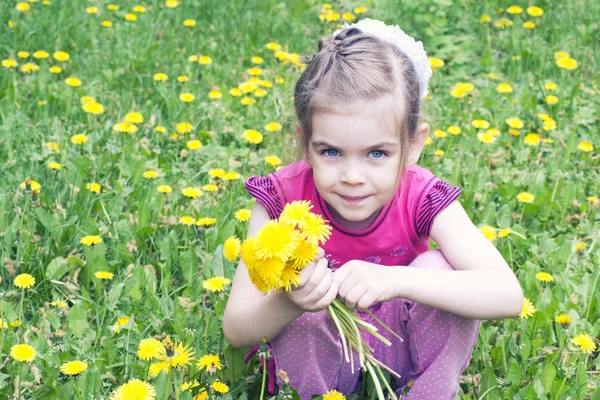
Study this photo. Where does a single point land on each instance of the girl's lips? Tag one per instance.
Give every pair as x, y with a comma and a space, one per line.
353, 199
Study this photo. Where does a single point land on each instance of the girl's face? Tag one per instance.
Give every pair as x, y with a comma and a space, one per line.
356, 161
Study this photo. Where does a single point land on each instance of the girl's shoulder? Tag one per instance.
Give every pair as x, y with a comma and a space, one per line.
274, 190
425, 195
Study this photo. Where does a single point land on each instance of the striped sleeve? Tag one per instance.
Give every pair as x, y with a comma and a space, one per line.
263, 191
434, 197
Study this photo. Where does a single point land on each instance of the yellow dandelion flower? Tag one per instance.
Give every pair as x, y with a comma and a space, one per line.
125, 126
480, 124
585, 147
61, 56
236, 92
453, 130
58, 303
528, 25
155, 368
164, 189
303, 254
585, 343
273, 127
514, 10
567, 63
215, 94
334, 395
186, 97
504, 232
273, 46
488, 231
29, 68
563, 319
191, 192
210, 187
184, 127
93, 187
160, 77
24, 281
551, 100
104, 275
216, 173
580, 246
436, 63
525, 197
90, 240
296, 213
54, 165
544, 277
23, 7
210, 362
231, 176
535, 11
189, 22
73, 82
194, 145
134, 389
528, 309
532, 139
216, 284
243, 214
231, 248
187, 220
73, 368
219, 387
93, 108
504, 87
9, 63
484, 18
150, 349
439, 133
150, 174
273, 160
277, 240
316, 229
514, 123
486, 138
134, 117
246, 101
22, 353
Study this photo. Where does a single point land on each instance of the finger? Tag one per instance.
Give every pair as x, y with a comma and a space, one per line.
328, 298
355, 294
341, 274
320, 290
318, 273
305, 274
347, 285
365, 301
320, 253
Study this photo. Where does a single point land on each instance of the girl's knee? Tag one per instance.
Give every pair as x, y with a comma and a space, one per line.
432, 259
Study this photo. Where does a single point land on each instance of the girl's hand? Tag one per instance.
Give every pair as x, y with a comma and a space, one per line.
361, 284
318, 289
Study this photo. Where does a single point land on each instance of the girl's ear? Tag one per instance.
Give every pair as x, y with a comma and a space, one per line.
417, 144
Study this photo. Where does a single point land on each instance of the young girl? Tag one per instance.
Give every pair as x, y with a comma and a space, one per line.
359, 123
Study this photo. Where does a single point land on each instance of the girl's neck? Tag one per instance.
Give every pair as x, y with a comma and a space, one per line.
353, 225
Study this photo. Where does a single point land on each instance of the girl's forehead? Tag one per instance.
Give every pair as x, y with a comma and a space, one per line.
362, 121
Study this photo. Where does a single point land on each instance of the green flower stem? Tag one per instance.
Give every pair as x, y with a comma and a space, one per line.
375, 381
373, 360
384, 325
264, 378
339, 328
345, 327
385, 382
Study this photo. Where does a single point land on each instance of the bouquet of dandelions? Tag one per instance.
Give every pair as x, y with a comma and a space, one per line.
275, 257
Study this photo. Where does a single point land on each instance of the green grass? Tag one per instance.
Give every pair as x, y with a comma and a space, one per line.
159, 265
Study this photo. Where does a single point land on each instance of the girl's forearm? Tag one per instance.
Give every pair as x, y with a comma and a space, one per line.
245, 324
477, 294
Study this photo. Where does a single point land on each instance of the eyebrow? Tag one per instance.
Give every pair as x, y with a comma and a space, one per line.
322, 143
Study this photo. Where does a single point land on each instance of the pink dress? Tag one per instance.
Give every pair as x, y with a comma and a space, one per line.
437, 345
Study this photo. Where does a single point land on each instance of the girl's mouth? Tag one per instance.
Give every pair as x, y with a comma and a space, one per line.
353, 200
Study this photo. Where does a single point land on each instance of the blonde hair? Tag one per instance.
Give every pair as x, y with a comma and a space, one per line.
357, 66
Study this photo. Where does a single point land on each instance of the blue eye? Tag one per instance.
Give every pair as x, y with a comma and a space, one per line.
377, 154
330, 153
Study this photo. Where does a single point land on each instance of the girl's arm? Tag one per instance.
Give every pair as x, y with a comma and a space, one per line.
483, 285
250, 314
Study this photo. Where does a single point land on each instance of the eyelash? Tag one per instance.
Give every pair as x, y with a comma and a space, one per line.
383, 153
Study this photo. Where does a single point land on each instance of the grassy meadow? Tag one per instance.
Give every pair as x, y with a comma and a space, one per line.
128, 129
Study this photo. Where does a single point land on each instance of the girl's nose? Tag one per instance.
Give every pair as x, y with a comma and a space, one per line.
352, 174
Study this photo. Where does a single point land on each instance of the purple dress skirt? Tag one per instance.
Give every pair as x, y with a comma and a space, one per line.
436, 350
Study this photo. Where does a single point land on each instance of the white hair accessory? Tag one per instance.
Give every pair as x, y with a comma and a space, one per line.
396, 36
